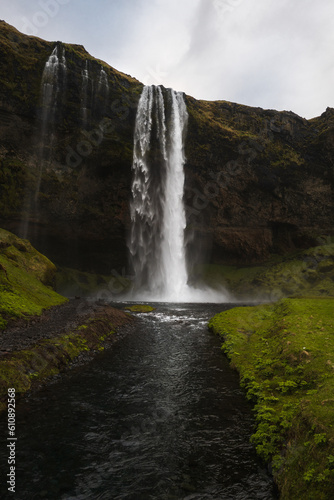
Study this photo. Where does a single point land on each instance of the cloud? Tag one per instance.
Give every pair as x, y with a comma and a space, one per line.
258, 52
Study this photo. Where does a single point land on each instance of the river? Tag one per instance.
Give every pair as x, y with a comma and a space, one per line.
159, 416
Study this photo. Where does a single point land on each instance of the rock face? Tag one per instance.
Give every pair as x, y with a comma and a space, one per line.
69, 195
257, 181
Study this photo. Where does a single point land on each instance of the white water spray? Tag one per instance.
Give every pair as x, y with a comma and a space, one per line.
84, 92
158, 220
103, 82
53, 80
54, 71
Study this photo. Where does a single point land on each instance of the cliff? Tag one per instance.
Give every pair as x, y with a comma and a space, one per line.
70, 195
257, 181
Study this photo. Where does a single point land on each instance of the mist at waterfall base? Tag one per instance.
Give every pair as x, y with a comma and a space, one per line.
158, 219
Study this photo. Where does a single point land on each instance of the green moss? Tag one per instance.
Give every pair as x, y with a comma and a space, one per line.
308, 273
24, 276
22, 369
12, 183
142, 308
285, 356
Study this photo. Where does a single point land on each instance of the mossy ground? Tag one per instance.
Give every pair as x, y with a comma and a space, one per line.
25, 279
141, 308
284, 353
307, 273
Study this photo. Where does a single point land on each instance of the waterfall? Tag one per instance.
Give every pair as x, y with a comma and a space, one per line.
101, 95
52, 83
84, 94
158, 221
103, 82
53, 78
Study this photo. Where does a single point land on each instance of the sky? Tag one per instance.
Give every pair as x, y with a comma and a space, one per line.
275, 54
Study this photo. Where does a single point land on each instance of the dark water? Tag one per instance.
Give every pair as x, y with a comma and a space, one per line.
160, 416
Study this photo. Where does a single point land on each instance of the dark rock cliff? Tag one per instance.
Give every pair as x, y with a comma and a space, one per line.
257, 181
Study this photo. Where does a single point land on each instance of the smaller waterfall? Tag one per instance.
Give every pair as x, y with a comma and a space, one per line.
158, 221
53, 81
103, 85
101, 95
54, 75
84, 95
52, 84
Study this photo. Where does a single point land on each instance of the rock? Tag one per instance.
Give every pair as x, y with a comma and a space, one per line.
325, 265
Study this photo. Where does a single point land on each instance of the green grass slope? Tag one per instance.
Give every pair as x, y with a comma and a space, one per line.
25, 280
307, 273
284, 353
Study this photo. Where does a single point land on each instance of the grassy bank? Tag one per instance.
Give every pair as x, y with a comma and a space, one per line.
26, 279
26, 368
284, 353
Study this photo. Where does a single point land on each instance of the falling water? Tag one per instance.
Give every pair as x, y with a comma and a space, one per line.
103, 82
156, 244
101, 95
53, 81
84, 92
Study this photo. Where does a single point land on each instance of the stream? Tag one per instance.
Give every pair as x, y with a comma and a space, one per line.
158, 416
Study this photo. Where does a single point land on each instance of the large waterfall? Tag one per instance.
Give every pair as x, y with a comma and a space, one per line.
158, 222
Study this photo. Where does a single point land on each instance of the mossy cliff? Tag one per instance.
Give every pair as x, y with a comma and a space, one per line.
258, 181
305, 272
79, 212
26, 277
284, 353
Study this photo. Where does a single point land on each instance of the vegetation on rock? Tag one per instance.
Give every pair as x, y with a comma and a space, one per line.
26, 277
308, 273
24, 369
140, 308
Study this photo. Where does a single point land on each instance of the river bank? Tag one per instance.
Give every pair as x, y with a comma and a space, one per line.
42, 332
63, 336
159, 415
284, 353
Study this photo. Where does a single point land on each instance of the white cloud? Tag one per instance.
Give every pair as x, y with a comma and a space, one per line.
268, 53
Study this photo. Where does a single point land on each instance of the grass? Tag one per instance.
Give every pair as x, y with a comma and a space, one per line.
284, 353
22, 369
307, 272
141, 308
25, 280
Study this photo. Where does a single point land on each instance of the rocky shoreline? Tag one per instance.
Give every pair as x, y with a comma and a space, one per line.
34, 352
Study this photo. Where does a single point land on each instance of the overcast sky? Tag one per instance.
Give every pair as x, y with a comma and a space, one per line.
276, 54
